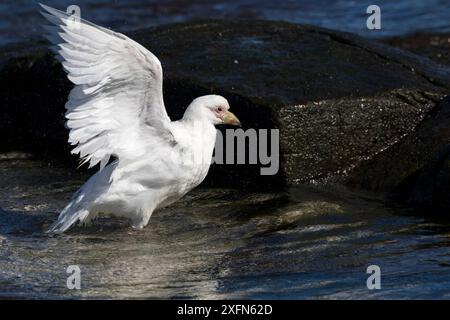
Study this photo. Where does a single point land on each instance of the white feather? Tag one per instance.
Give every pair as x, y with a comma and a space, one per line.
116, 109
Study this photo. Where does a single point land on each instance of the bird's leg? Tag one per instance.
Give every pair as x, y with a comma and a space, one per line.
88, 220
141, 219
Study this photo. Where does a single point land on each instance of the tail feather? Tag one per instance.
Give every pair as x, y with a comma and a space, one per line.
65, 222
81, 207
74, 212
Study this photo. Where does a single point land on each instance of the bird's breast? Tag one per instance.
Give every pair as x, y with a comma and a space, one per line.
197, 158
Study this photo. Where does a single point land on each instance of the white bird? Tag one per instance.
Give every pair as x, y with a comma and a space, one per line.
116, 108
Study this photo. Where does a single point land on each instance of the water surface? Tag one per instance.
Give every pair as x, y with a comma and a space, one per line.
217, 244
20, 20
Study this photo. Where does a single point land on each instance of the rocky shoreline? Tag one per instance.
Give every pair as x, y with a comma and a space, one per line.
365, 114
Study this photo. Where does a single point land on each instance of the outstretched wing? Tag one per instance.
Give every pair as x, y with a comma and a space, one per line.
117, 102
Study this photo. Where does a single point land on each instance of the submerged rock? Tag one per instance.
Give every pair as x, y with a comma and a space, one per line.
341, 103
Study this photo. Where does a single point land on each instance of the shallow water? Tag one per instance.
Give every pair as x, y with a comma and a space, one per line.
20, 20
217, 244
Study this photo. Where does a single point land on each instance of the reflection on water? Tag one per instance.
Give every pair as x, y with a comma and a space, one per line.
217, 244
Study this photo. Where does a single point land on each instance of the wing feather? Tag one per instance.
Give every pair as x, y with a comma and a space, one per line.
117, 100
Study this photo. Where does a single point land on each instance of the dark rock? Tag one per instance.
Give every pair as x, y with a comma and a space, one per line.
339, 101
432, 185
397, 167
434, 46
34, 91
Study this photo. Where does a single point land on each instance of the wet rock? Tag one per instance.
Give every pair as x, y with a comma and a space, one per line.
33, 92
339, 101
396, 167
434, 46
431, 187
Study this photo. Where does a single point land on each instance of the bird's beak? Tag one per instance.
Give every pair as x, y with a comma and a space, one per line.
231, 119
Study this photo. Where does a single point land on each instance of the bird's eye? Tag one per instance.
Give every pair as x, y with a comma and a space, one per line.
219, 109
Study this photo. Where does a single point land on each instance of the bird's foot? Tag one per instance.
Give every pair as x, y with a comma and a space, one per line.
138, 227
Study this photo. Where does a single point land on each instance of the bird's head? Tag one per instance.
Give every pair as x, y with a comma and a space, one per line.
213, 108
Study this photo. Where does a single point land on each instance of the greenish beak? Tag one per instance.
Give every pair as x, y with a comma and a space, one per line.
231, 119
